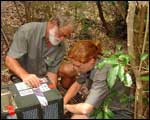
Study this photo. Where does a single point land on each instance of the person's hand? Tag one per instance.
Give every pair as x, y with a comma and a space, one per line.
31, 80
65, 109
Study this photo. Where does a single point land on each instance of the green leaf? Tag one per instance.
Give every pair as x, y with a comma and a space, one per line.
112, 74
117, 54
144, 78
108, 113
94, 112
101, 65
106, 116
100, 115
128, 80
121, 72
124, 58
112, 61
143, 56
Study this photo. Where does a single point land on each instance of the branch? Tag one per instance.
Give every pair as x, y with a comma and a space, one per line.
102, 16
136, 67
130, 23
112, 107
141, 27
145, 36
144, 73
5, 38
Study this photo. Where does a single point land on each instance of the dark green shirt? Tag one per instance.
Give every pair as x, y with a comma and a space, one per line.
30, 49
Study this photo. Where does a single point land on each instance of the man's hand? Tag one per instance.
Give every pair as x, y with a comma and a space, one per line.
32, 80
14, 66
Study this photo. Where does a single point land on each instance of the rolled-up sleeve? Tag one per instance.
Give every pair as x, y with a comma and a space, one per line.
19, 45
99, 89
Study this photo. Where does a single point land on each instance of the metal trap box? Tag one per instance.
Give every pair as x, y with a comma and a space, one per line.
27, 105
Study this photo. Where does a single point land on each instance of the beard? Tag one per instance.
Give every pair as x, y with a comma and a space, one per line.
52, 37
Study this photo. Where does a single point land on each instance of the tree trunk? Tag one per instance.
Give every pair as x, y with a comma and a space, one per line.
132, 41
102, 16
142, 26
130, 44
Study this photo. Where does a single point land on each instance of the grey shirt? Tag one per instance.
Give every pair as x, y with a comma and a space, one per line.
30, 49
99, 91
99, 88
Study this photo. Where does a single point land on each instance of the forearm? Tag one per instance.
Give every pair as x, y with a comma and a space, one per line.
80, 108
15, 67
73, 108
72, 92
52, 77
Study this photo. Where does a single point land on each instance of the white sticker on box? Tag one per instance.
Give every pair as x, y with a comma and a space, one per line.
26, 92
43, 101
43, 80
44, 87
22, 86
24, 89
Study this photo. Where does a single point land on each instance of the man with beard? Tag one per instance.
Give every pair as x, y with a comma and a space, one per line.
37, 50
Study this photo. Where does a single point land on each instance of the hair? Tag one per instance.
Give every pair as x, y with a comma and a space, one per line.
84, 50
62, 20
66, 24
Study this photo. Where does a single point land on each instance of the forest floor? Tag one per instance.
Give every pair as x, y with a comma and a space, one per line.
10, 22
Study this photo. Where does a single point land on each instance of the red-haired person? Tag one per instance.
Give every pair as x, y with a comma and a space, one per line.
83, 56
